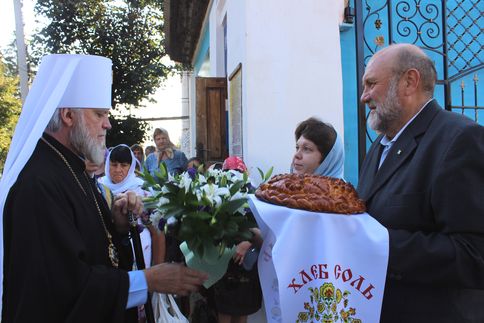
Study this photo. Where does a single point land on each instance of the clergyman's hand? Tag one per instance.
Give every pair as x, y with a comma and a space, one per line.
124, 203
173, 278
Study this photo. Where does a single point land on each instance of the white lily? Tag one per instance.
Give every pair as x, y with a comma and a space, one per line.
202, 179
214, 172
214, 193
156, 216
237, 196
236, 175
163, 201
185, 181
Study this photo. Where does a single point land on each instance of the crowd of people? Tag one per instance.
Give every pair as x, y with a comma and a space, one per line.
66, 198
319, 150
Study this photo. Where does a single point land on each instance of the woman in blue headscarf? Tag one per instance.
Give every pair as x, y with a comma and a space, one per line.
319, 150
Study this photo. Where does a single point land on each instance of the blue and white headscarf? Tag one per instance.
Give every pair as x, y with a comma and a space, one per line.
333, 164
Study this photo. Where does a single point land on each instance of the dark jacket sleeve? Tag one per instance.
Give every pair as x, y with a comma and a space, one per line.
453, 256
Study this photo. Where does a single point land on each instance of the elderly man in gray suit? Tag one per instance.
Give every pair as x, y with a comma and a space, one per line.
423, 180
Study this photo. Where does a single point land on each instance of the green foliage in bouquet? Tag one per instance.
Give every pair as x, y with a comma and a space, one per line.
209, 208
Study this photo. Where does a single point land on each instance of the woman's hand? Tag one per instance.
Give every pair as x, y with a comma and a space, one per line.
257, 239
240, 251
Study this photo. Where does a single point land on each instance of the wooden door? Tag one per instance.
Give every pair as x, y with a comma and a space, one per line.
211, 123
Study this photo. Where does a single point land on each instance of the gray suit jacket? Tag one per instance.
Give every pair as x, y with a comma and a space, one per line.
429, 194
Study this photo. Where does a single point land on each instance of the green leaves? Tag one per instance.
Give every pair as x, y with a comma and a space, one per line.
163, 171
126, 129
236, 187
150, 204
9, 112
223, 182
149, 180
266, 176
231, 206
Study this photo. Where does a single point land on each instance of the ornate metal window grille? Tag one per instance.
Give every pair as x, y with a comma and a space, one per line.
450, 32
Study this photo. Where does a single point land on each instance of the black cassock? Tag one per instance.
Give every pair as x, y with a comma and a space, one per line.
56, 262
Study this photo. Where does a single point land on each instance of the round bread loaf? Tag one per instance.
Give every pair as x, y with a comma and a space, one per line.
311, 192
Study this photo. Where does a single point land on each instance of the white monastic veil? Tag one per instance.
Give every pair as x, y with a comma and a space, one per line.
130, 182
63, 80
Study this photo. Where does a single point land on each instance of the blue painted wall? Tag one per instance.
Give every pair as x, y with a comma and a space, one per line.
350, 104
203, 52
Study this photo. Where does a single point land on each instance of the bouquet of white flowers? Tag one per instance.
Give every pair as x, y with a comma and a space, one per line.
207, 212
207, 209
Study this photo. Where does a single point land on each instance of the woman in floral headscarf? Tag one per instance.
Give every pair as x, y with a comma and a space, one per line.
175, 160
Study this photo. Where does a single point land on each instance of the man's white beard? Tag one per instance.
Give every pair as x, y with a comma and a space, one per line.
382, 118
85, 144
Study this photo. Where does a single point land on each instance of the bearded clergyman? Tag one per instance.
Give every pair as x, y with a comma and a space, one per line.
66, 256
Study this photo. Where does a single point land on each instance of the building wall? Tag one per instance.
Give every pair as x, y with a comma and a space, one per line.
200, 67
291, 70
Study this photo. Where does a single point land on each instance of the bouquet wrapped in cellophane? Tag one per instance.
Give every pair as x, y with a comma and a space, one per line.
207, 211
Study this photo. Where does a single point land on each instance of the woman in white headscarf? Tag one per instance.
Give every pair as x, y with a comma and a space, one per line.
120, 171
319, 150
120, 177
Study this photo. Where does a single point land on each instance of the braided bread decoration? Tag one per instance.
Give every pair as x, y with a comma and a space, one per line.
311, 192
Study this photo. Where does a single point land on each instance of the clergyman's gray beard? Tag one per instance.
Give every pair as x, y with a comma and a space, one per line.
85, 144
382, 118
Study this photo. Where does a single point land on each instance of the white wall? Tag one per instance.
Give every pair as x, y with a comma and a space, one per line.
236, 37
291, 70
193, 115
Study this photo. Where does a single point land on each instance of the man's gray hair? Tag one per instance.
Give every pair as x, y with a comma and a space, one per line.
408, 58
55, 123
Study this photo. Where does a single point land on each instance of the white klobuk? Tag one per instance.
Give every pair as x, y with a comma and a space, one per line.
62, 81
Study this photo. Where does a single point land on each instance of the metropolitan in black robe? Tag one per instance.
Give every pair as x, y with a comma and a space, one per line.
56, 262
